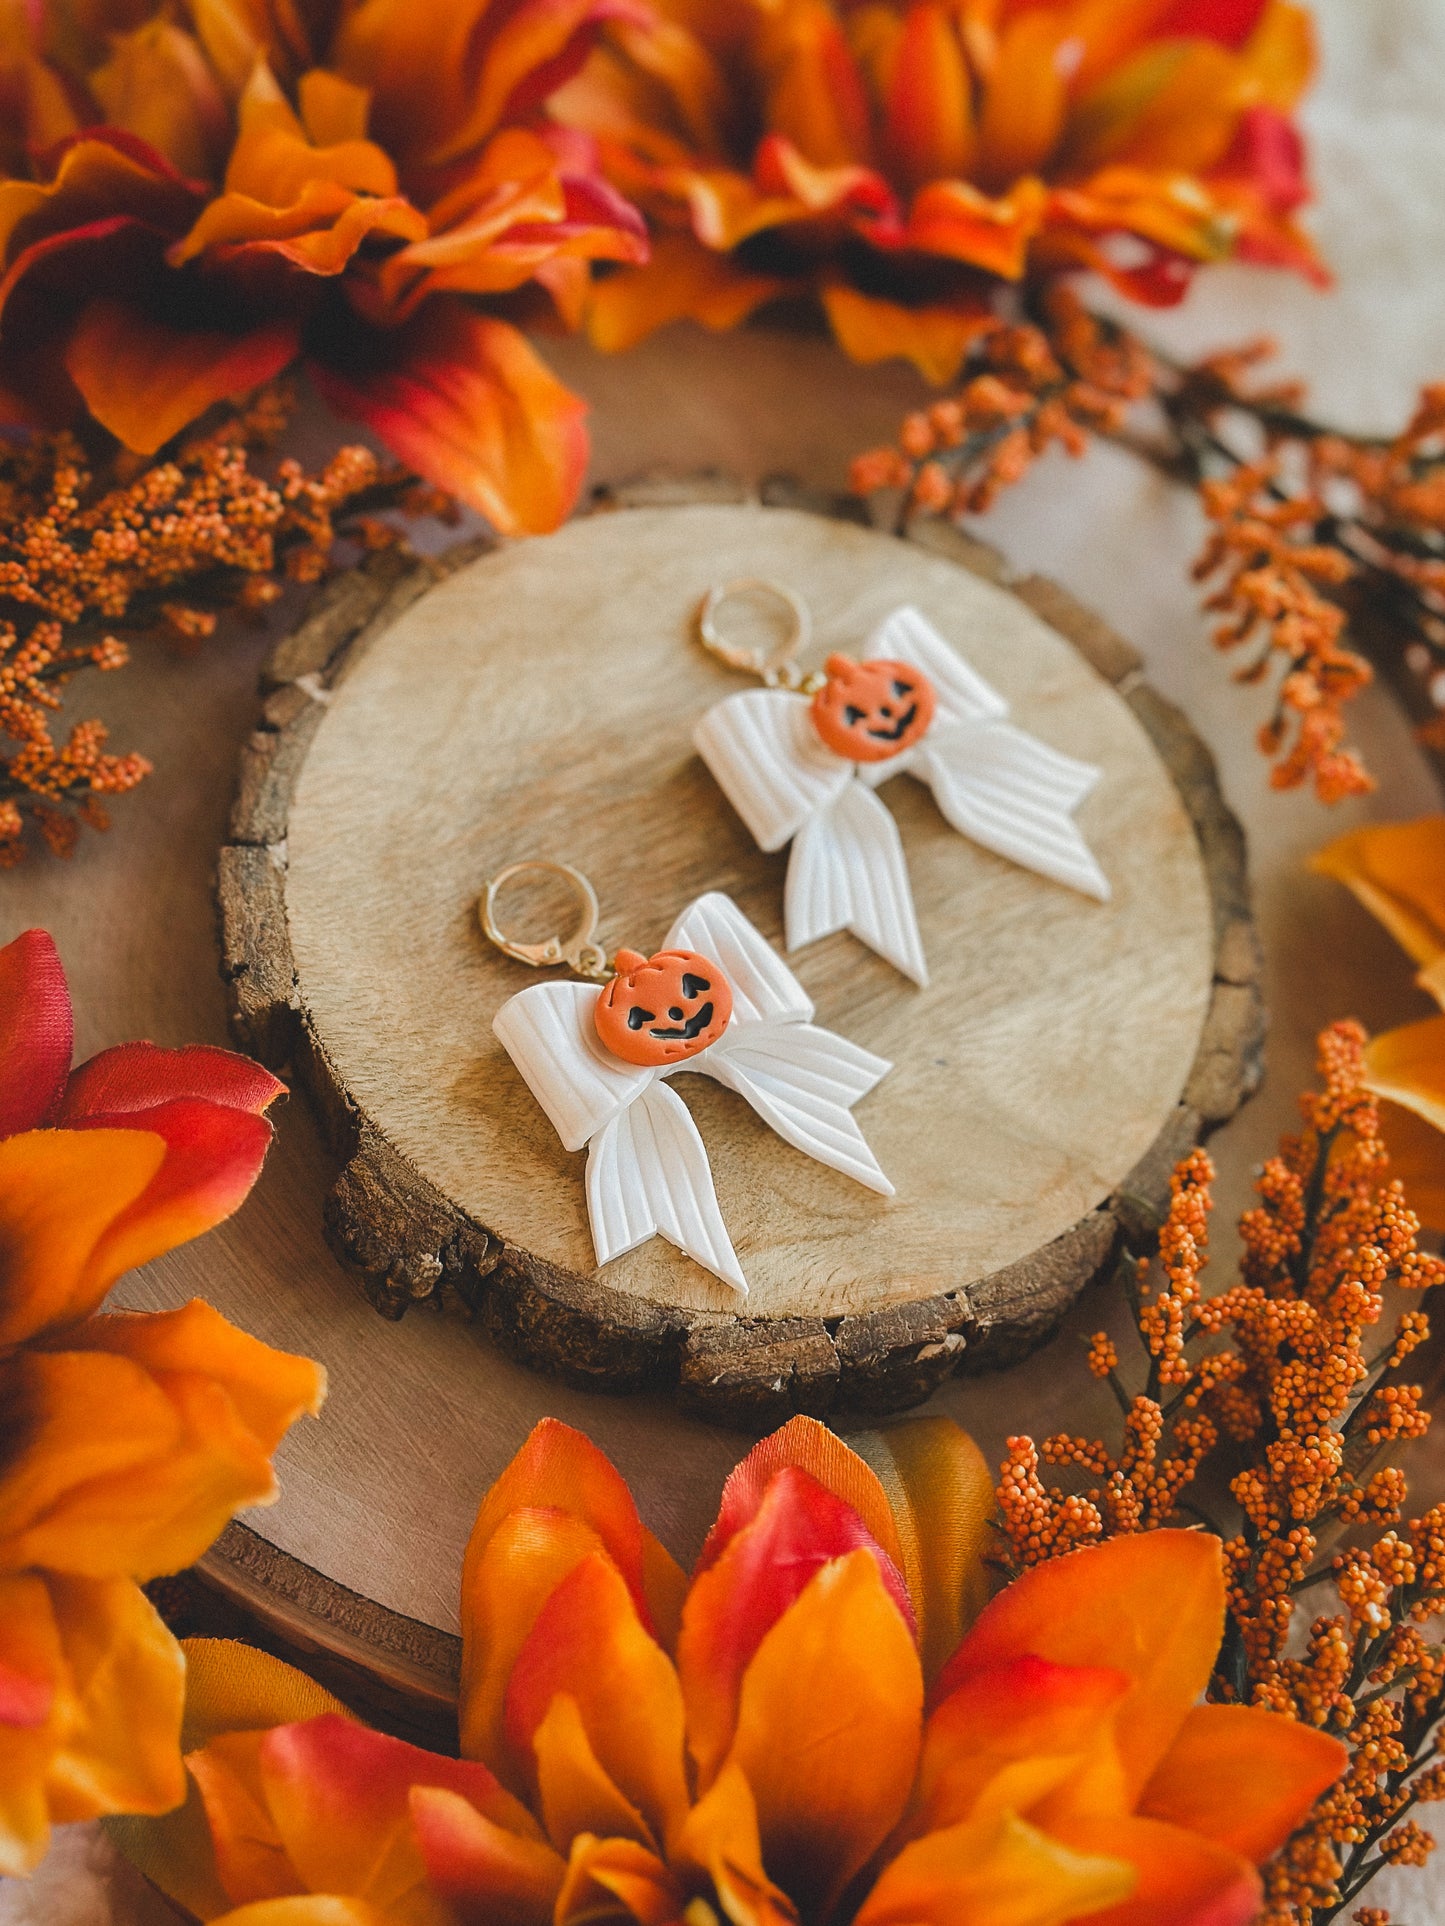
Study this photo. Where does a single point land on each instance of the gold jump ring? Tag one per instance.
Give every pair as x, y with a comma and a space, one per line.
577, 950
778, 667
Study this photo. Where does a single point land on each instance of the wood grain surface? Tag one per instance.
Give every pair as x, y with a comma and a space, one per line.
554, 686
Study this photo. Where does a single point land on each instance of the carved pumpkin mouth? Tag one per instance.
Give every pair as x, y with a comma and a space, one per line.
900, 728
694, 1026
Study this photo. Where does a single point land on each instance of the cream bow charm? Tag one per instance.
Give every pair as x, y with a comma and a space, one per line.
647, 1169
993, 782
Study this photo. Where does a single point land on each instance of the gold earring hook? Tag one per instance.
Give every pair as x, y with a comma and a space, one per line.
577, 950
777, 668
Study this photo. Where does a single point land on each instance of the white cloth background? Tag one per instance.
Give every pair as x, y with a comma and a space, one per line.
1120, 539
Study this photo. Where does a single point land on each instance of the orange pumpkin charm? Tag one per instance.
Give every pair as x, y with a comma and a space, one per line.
660, 1009
869, 711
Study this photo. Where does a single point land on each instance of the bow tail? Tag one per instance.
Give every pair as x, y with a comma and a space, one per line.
648, 1176
1016, 796
847, 872
803, 1082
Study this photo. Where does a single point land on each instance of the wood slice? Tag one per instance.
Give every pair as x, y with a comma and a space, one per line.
427, 725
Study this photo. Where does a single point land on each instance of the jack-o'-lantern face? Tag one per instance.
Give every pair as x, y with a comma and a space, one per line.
660, 1009
868, 711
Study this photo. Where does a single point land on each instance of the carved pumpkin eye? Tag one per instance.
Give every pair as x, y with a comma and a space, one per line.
662, 1009
869, 711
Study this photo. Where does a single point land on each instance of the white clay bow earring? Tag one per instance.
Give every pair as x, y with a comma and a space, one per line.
800, 760
717, 999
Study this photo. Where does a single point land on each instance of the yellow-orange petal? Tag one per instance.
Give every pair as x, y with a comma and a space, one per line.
309, 1909
1417, 1158
1151, 1606
247, 1854
828, 1730
269, 1389
588, 1642
145, 380
488, 1875
155, 83
814, 93
1174, 106
959, 222
1024, 102
1408, 1067
60, 1191
574, 1790
120, 1747
1397, 871
720, 1840
465, 400
1243, 1777
1181, 1879
231, 1688
1002, 1871
615, 1880
934, 338
941, 1493
683, 280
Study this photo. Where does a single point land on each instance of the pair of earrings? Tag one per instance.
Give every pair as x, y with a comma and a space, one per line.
800, 760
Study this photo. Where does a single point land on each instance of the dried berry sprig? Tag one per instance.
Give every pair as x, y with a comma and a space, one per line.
1319, 540
1283, 1394
96, 552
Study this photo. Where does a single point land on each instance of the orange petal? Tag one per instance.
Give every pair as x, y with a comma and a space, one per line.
1151, 1605
32, 1673
463, 399
604, 1872
929, 113
957, 221
155, 83
941, 1493
311, 1909
213, 1156
721, 1841
1025, 1712
136, 1076
247, 1854
798, 1528
488, 1875
319, 231
60, 1191
146, 380
814, 93
1397, 870
339, 1798
1003, 1871
559, 1469
575, 1792
521, 1563
121, 1745
813, 1448
268, 1389
589, 1642
1175, 106
36, 1032
828, 1730
1242, 1777
1182, 1880
1408, 1067
683, 280
934, 338
1023, 109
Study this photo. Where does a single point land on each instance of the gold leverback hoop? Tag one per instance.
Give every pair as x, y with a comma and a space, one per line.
778, 669
578, 950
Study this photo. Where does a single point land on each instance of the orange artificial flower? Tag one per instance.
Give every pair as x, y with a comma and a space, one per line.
200, 193
905, 159
1397, 871
796, 1734
127, 1441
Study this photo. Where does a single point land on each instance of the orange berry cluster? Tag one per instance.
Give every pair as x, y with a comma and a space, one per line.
88, 549
1289, 1364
